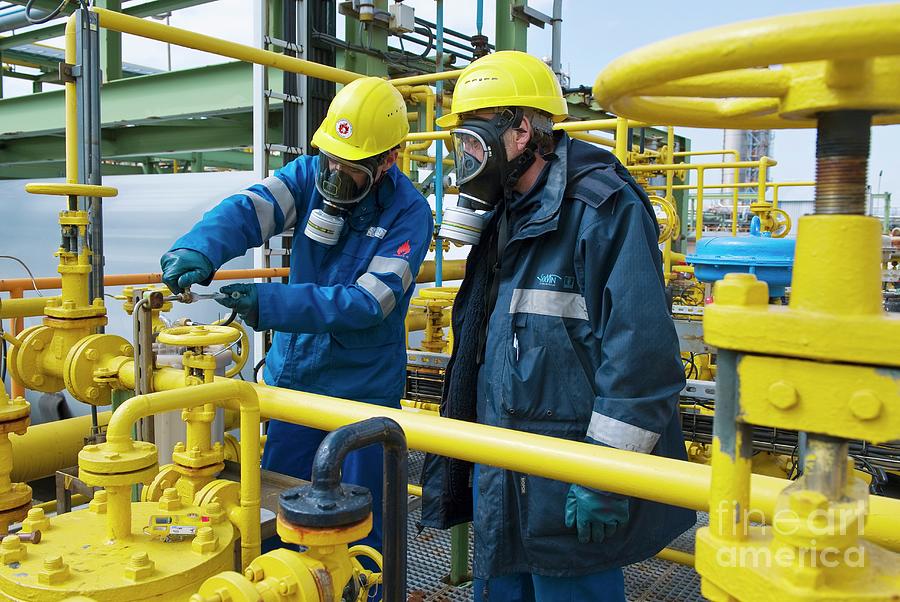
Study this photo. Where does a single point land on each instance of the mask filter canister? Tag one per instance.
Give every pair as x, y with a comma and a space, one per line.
324, 228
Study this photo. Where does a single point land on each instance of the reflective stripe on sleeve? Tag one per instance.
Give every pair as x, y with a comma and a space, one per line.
392, 265
285, 199
548, 303
621, 435
265, 213
378, 289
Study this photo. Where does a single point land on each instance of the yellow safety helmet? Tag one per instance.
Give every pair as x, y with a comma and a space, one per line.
367, 117
508, 78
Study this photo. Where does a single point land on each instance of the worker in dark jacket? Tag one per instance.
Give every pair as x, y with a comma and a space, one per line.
562, 329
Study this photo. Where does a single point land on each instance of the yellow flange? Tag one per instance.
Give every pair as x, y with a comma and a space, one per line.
198, 336
91, 366
280, 575
322, 537
104, 459
721, 77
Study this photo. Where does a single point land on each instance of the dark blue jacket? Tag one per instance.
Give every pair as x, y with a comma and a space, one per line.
340, 321
580, 346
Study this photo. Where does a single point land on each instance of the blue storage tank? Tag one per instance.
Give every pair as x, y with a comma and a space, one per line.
770, 259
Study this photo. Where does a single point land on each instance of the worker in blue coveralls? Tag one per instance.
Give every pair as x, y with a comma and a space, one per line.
339, 322
562, 329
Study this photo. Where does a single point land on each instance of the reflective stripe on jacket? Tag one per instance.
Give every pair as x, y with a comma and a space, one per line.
339, 321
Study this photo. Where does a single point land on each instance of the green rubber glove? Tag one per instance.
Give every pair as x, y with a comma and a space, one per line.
245, 299
597, 514
183, 267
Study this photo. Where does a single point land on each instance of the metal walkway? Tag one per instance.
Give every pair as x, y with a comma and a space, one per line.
429, 565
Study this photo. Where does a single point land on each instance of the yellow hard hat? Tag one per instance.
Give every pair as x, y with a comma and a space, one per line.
508, 78
367, 117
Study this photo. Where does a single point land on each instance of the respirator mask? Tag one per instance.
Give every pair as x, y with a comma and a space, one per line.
342, 185
483, 173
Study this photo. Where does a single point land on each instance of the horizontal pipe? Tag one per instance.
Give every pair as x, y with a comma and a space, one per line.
23, 308
681, 166
607, 142
677, 556
51, 446
188, 39
51, 283
427, 159
417, 319
451, 269
427, 78
420, 136
663, 480
595, 124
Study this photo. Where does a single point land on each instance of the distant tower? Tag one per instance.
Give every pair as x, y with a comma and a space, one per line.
752, 144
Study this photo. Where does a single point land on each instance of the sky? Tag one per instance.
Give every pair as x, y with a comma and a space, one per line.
594, 33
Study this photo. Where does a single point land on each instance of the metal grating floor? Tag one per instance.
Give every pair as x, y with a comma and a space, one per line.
429, 564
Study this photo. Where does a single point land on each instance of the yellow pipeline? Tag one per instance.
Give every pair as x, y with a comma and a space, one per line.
71, 107
51, 446
231, 394
188, 39
23, 308
427, 159
417, 319
597, 124
608, 142
735, 156
452, 269
649, 477
427, 78
420, 136
417, 94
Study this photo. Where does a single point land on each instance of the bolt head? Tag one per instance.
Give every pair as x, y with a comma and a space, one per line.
91, 354
865, 405
782, 395
742, 290
38, 379
92, 392
126, 350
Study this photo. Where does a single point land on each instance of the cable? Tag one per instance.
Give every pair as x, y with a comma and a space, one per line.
256, 368
230, 318
52, 15
24, 265
3, 361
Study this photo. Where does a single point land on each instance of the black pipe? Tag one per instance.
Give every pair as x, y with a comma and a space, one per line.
326, 476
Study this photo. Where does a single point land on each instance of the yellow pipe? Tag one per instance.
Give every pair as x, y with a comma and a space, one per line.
664, 480
417, 94
452, 269
699, 212
23, 308
678, 556
48, 507
724, 165
417, 319
415, 490
622, 142
429, 135
427, 78
231, 394
427, 159
71, 107
608, 142
188, 39
46, 448
597, 124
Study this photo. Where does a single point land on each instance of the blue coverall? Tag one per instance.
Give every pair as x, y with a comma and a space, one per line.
339, 322
579, 346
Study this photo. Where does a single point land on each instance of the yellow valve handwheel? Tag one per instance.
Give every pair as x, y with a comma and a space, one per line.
827, 60
781, 223
440, 292
372, 578
239, 358
669, 223
199, 336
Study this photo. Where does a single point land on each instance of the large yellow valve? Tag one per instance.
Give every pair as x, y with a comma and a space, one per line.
793, 367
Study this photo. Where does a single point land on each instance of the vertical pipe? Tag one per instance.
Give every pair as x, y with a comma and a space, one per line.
761, 183
479, 16
16, 388
698, 211
250, 484
735, 194
556, 32
260, 123
621, 150
439, 149
71, 107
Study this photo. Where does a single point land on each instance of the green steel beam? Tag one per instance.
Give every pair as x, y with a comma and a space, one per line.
57, 169
512, 33
373, 37
146, 9
110, 45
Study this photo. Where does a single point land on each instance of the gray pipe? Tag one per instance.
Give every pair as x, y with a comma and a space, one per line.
556, 28
16, 19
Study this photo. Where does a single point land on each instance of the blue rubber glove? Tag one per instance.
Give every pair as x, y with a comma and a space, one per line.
183, 267
246, 301
597, 514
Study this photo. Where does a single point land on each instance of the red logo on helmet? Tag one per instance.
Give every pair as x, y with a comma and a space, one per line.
404, 249
344, 128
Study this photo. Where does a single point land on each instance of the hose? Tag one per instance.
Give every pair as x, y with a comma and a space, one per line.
49, 17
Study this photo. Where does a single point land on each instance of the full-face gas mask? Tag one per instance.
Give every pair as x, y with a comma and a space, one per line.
342, 185
483, 173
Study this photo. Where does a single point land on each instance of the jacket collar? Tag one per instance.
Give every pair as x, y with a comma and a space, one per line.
381, 197
546, 218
